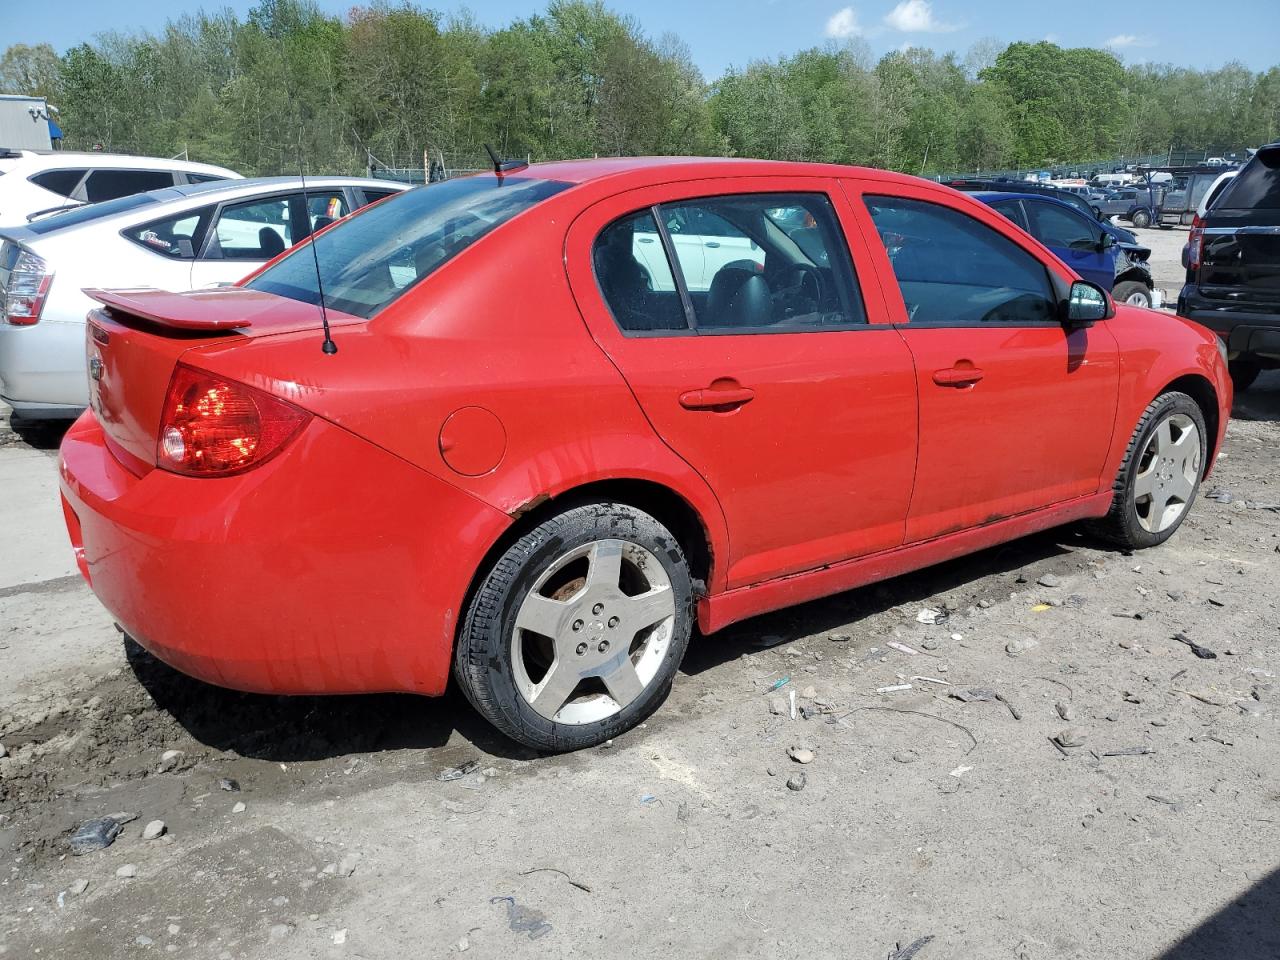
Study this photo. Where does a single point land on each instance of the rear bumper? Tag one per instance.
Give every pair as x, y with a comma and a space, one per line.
42, 367
333, 568
1245, 332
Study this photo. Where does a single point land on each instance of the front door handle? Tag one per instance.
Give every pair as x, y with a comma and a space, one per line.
719, 396
957, 376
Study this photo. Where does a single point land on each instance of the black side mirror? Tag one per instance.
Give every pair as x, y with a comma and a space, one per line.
1086, 305
1106, 242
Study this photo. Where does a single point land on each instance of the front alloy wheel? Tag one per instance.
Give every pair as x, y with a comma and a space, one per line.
1160, 474
575, 633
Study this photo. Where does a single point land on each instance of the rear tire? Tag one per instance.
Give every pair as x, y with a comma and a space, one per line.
575, 633
1141, 219
1243, 373
1132, 292
1159, 476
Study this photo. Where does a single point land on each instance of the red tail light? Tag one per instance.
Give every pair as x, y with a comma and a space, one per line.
1195, 243
213, 427
28, 289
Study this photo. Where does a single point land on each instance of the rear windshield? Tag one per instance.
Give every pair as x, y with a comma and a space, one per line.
371, 259
88, 212
1258, 185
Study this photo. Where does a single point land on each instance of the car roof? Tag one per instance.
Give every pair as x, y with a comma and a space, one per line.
994, 196
36, 160
644, 170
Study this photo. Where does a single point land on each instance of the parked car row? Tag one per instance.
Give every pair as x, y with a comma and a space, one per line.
181, 237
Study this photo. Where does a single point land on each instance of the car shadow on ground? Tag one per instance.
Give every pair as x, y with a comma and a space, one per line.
1261, 401
1245, 929
293, 729
910, 590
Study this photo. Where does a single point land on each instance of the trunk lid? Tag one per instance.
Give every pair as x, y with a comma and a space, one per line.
134, 341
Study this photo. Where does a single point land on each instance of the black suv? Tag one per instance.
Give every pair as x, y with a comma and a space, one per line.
1234, 269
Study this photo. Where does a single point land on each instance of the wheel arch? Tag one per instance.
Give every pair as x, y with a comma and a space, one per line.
1141, 276
662, 502
1199, 389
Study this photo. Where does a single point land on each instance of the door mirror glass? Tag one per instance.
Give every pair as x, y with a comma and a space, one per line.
1087, 304
1106, 242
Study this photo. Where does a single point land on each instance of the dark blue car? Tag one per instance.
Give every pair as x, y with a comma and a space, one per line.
1080, 242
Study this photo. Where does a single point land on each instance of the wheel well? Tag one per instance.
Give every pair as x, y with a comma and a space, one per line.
662, 503
1139, 275
1201, 391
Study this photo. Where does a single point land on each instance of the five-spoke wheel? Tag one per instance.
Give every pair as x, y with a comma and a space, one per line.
577, 630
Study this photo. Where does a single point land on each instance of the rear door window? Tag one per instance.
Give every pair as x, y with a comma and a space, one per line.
177, 238
252, 230
956, 271
110, 184
61, 182
751, 263
1013, 210
325, 207
1257, 186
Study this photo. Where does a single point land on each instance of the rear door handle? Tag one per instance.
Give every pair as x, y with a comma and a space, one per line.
716, 398
957, 376
713, 243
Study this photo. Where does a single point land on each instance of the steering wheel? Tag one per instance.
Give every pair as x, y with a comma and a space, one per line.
807, 284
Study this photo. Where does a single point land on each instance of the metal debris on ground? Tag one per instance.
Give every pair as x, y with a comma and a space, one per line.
1204, 653
908, 952
572, 882
945, 683
1220, 495
779, 684
930, 616
523, 919
97, 834
902, 647
230, 785
984, 695
793, 704
893, 688
1128, 752
458, 772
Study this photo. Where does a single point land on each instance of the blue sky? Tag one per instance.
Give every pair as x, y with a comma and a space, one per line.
721, 33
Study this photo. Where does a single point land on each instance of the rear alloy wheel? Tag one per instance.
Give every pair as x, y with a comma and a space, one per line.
1160, 475
1132, 292
576, 632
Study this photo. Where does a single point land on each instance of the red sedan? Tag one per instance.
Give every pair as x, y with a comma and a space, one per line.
578, 409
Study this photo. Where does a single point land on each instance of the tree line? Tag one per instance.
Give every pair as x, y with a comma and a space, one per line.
290, 84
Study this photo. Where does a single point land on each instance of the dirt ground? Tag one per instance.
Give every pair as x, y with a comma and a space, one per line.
921, 815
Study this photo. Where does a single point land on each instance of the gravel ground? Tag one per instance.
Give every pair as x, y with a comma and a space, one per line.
1149, 830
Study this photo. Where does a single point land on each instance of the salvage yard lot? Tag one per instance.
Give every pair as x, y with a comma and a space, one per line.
391, 826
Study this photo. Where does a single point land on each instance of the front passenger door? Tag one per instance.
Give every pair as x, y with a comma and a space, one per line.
1076, 240
1016, 411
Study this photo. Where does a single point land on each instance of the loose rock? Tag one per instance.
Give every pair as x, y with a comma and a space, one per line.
95, 834
127, 872
231, 786
169, 760
79, 887
239, 807
800, 754
1070, 737
1016, 648
796, 782
906, 756
154, 830
1064, 710
1050, 580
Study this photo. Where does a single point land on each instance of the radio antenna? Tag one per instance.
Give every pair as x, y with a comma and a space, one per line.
328, 346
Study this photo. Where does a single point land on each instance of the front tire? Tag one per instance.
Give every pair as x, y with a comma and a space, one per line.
1159, 476
1141, 219
575, 633
1132, 292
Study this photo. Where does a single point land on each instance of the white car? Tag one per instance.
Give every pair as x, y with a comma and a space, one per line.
34, 183
180, 238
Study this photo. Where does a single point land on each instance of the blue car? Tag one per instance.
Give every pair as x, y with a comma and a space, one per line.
1082, 243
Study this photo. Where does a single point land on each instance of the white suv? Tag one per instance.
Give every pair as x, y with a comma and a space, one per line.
180, 238
34, 183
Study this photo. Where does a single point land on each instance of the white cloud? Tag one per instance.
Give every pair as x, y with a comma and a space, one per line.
843, 24
916, 16
1122, 40
1050, 38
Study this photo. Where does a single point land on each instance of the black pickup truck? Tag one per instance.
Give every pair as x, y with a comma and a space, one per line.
1233, 264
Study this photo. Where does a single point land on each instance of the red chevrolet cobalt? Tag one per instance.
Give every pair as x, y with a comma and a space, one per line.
578, 410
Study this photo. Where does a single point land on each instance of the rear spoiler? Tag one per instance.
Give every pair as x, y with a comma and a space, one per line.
224, 308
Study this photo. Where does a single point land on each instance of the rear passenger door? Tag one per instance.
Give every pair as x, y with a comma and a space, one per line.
1016, 411
772, 372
